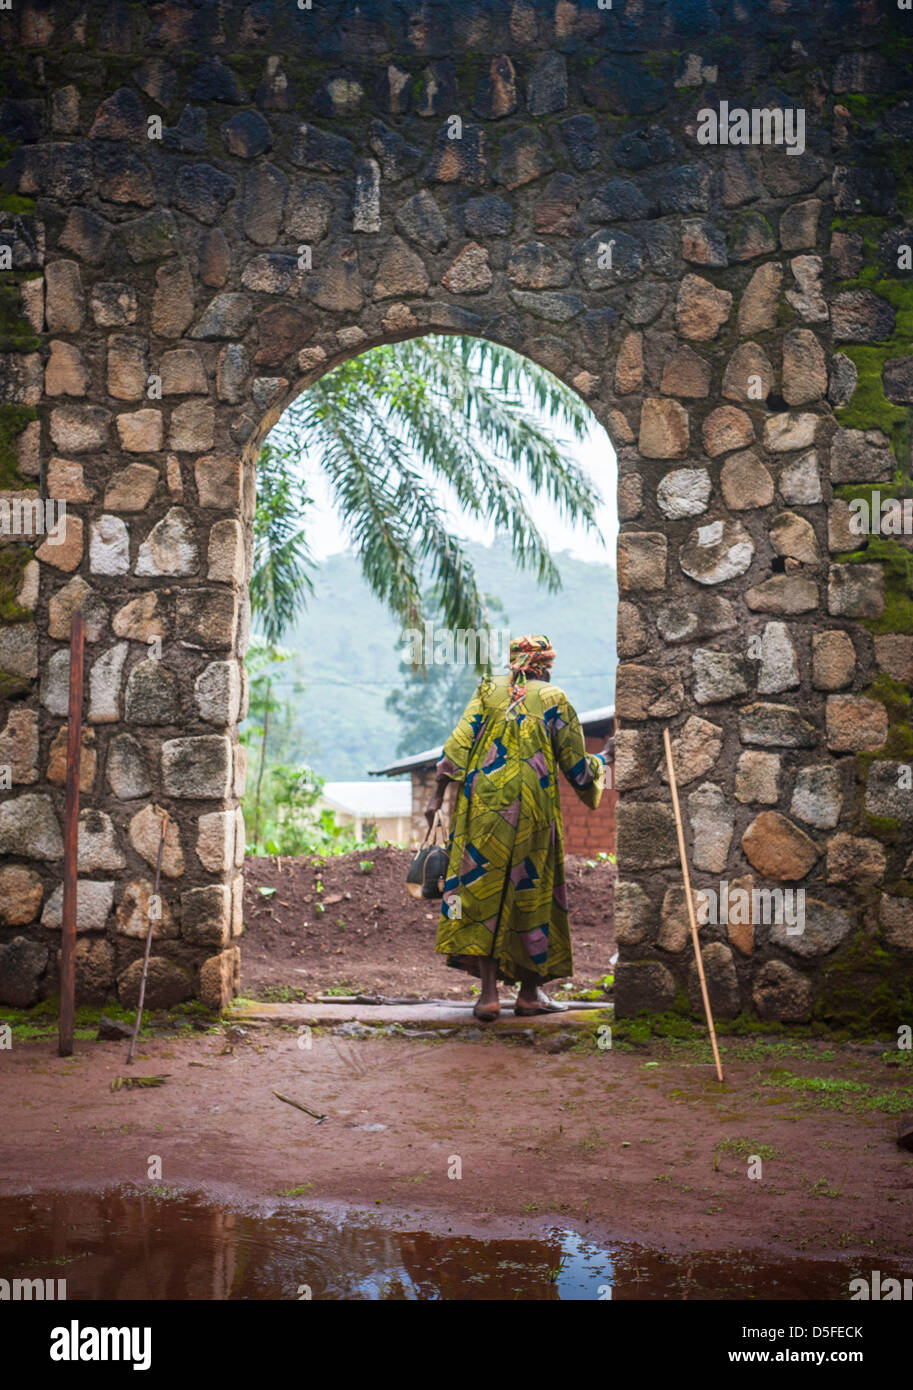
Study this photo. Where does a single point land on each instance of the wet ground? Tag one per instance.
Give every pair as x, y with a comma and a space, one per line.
164, 1244
460, 1152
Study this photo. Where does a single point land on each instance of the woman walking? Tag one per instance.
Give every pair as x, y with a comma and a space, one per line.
504, 912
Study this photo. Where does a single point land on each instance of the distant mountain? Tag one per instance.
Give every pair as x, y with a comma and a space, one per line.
348, 648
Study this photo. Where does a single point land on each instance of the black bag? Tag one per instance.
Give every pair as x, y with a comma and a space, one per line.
428, 869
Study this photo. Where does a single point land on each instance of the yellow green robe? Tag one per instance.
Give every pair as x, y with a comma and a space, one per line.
505, 894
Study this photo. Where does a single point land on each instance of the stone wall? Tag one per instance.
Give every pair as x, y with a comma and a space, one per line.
209, 206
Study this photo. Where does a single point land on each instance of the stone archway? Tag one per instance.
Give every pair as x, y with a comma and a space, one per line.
207, 208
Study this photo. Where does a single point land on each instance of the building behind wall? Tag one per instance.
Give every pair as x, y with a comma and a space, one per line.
585, 831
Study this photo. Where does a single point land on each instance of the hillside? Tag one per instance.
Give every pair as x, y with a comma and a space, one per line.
348, 647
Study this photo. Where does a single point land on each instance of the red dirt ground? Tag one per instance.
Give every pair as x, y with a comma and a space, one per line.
377, 939
624, 1143
637, 1142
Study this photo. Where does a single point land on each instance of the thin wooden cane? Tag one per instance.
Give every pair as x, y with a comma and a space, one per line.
691, 917
152, 920
71, 841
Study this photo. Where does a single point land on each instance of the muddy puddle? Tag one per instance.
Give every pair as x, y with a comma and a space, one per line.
160, 1244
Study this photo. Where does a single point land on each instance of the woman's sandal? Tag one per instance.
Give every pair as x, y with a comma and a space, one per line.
487, 1013
543, 1005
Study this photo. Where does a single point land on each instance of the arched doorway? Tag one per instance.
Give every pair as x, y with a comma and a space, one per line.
448, 486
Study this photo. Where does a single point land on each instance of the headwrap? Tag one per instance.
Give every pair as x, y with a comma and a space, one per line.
530, 658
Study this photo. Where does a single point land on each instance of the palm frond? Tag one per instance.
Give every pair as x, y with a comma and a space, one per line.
398, 431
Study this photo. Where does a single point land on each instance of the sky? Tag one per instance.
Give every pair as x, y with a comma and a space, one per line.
594, 453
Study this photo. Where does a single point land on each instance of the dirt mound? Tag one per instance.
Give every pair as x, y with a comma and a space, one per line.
372, 937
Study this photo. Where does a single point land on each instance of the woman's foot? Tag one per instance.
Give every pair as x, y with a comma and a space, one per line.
489, 1006
533, 1000
487, 1012
527, 1001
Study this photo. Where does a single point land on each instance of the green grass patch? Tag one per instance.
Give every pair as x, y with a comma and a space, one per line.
41, 1021
744, 1148
13, 561
13, 420
837, 1093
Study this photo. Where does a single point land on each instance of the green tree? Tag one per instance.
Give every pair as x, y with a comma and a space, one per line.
431, 699
396, 430
280, 582
262, 659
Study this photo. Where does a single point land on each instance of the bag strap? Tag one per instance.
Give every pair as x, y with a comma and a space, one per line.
436, 833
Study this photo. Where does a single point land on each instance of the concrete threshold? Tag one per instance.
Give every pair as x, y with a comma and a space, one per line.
428, 1014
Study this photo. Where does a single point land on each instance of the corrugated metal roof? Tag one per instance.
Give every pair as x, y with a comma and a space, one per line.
591, 719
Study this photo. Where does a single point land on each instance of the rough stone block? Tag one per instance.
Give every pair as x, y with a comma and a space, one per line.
141, 432
219, 481
20, 896
775, 726
126, 769
135, 911
855, 724
167, 984
217, 692
220, 979
712, 824
888, 793
94, 901
104, 685
817, 796
781, 993
777, 848
721, 980
97, 843
170, 548
145, 837
197, 767
643, 986
641, 560
207, 618
648, 692
757, 778
153, 695
22, 964
855, 859
206, 915
109, 546
216, 841
646, 835
855, 591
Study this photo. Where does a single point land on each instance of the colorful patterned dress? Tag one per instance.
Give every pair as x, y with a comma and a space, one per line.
505, 894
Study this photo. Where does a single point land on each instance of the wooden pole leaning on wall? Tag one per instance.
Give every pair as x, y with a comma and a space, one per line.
71, 840
686, 877
155, 914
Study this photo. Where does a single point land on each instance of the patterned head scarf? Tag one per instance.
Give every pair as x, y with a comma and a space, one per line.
530, 658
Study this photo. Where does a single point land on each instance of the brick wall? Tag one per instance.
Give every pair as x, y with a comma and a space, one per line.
585, 831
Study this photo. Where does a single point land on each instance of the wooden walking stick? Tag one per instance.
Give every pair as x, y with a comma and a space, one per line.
155, 912
691, 917
71, 841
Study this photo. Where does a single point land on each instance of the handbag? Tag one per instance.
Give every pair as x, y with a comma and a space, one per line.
428, 869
